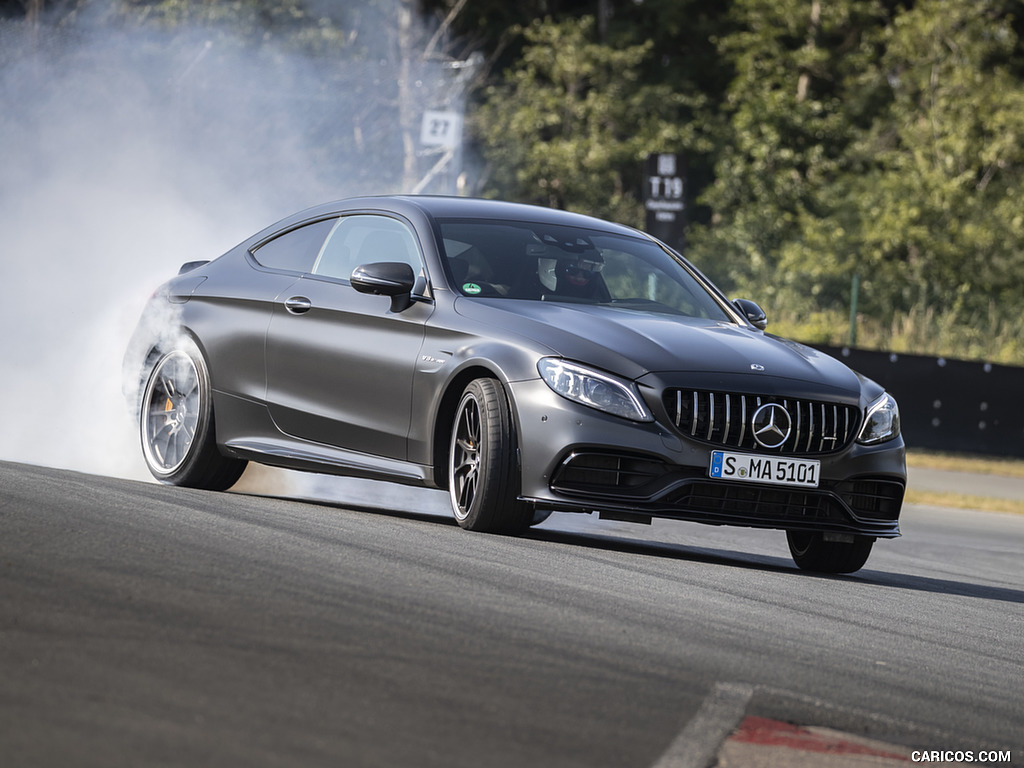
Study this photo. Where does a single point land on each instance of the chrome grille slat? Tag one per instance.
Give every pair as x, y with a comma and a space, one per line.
711, 416
810, 429
800, 415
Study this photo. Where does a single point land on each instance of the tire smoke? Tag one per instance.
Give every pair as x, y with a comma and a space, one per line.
127, 149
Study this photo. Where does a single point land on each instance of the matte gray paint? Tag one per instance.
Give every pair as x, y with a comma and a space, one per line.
350, 387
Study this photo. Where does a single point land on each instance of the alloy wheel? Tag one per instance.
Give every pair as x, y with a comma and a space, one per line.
465, 460
172, 405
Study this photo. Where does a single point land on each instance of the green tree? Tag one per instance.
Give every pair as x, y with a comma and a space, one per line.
788, 119
570, 125
877, 140
939, 202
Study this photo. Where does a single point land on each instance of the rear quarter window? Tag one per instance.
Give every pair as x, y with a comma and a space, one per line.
295, 250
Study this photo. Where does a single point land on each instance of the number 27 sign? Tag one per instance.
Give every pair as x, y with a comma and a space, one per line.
441, 129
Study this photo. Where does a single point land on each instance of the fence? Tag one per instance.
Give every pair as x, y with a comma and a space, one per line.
949, 405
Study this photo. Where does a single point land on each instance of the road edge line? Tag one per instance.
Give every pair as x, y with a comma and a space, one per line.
719, 715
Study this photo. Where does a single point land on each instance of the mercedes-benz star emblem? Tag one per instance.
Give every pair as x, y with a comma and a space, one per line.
771, 425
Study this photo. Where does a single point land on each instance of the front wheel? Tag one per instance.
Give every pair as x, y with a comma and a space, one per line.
481, 463
815, 551
176, 424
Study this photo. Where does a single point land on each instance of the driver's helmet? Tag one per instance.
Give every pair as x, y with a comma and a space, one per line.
570, 271
579, 271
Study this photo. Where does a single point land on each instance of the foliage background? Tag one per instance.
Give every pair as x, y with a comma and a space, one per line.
881, 139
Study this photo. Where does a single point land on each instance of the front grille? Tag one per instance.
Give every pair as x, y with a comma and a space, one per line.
725, 419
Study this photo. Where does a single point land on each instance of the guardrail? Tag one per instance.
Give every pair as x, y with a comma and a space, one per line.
948, 405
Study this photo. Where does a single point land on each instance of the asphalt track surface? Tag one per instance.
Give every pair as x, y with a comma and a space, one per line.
143, 625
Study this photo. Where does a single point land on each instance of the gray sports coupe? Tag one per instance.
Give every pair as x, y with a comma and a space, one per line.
527, 360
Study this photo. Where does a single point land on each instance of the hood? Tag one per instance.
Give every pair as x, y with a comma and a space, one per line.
634, 344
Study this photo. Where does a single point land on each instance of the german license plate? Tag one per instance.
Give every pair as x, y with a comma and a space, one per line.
775, 470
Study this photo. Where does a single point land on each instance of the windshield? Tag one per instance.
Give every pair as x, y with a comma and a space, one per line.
521, 260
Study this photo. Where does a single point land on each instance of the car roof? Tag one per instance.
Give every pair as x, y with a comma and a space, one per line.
443, 207
433, 207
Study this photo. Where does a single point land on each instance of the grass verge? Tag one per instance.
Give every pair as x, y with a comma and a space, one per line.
965, 463
982, 465
963, 501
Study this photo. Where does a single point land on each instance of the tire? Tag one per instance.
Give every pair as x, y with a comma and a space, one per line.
176, 424
811, 552
482, 481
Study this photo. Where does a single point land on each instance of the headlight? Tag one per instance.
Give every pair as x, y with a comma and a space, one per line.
882, 421
594, 389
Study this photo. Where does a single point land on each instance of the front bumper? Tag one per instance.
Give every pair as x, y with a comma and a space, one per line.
576, 459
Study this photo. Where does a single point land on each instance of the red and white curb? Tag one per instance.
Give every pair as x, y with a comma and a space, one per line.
763, 743
722, 735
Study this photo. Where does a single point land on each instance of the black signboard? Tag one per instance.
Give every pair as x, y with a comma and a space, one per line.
664, 200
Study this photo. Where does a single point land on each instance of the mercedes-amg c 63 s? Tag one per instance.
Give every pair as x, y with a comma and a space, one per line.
527, 360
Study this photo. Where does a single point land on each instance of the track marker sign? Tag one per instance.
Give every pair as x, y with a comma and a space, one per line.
441, 129
664, 200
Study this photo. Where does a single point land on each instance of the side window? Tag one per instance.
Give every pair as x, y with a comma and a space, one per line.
294, 251
364, 239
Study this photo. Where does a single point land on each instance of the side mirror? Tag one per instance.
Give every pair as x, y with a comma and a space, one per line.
754, 314
386, 278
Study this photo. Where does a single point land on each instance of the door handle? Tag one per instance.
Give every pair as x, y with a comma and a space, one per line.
298, 305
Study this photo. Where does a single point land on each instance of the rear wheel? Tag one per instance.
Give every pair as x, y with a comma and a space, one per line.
825, 553
177, 427
481, 463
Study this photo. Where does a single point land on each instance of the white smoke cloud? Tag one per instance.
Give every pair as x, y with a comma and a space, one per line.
126, 152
